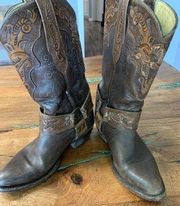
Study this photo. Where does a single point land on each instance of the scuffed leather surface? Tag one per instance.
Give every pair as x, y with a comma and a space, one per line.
133, 161
36, 159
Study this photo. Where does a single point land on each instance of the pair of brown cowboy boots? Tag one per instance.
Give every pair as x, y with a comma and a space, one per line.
42, 40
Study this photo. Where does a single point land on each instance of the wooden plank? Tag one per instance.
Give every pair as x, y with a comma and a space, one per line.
159, 127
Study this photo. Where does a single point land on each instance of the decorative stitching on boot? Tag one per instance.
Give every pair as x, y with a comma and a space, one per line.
118, 118
148, 55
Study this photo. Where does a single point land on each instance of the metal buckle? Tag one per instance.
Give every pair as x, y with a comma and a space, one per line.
81, 128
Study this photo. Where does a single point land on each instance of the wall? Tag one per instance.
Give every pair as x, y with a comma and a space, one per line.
173, 55
86, 8
96, 10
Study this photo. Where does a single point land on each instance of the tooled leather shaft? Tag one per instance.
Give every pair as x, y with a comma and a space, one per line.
139, 59
22, 34
54, 40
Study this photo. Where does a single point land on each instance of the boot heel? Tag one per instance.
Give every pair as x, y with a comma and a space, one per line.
81, 140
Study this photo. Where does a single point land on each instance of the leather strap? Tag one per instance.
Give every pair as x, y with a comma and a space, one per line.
116, 118
60, 123
54, 40
120, 29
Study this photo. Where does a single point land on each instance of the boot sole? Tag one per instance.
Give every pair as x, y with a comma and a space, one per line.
130, 187
75, 144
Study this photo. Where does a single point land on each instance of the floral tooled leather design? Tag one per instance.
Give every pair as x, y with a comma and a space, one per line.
132, 54
111, 18
66, 18
148, 54
16, 45
24, 35
54, 40
56, 124
121, 119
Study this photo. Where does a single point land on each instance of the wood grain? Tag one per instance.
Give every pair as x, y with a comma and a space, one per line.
159, 127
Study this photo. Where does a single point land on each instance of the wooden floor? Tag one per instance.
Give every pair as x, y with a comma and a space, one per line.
93, 38
93, 183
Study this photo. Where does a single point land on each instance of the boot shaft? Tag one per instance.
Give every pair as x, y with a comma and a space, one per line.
24, 37
137, 36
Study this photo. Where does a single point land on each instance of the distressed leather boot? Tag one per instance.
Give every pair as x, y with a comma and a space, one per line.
42, 40
137, 36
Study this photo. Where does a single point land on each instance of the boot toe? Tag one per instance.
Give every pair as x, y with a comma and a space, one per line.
144, 181
20, 170
6, 179
148, 182
12, 176
154, 187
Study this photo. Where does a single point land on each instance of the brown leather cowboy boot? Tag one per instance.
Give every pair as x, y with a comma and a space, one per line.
137, 36
42, 40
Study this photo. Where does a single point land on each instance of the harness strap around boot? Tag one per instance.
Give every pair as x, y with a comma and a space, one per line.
120, 29
114, 117
61, 123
